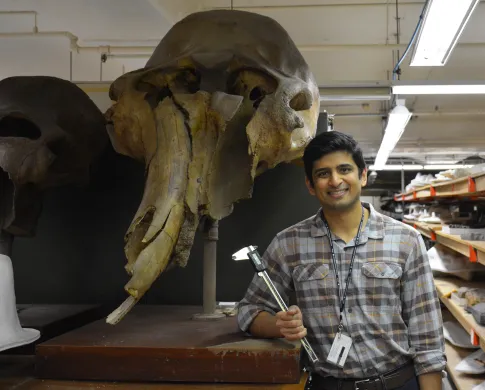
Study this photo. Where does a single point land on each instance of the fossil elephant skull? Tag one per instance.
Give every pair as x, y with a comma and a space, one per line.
225, 96
50, 134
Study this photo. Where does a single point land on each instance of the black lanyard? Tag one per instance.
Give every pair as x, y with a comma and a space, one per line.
334, 262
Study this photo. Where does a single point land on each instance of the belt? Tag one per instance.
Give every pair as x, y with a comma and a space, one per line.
389, 381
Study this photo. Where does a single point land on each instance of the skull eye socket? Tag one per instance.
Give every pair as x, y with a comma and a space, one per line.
252, 84
17, 126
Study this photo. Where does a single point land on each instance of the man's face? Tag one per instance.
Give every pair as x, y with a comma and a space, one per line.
336, 181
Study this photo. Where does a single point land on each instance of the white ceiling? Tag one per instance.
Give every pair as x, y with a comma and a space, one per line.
343, 41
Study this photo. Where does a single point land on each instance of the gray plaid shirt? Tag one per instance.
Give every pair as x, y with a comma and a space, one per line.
392, 312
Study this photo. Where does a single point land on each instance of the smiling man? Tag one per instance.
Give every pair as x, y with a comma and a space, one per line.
363, 285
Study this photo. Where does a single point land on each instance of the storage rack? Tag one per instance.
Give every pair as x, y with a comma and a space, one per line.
470, 188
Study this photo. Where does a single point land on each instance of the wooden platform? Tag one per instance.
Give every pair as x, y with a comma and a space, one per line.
16, 373
163, 343
52, 321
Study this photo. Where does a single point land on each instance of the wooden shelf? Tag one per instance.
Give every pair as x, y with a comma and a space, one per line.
445, 286
474, 250
426, 229
454, 355
465, 187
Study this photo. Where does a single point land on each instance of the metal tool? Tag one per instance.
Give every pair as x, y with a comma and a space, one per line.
250, 253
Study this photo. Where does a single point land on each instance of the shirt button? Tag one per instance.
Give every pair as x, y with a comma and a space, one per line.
350, 310
358, 338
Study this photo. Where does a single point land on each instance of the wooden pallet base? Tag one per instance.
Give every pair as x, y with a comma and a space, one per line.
163, 343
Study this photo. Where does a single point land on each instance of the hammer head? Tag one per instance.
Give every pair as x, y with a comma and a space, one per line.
242, 254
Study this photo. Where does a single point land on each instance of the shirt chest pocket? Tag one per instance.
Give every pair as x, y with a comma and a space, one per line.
382, 270
381, 283
314, 286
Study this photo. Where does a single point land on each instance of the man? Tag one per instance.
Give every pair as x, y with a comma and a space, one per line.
385, 312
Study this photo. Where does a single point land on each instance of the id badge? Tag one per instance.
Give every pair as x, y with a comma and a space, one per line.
340, 349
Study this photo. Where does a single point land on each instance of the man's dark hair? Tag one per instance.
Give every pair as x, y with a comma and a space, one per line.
329, 142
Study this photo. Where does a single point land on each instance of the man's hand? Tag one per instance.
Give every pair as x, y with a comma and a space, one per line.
290, 323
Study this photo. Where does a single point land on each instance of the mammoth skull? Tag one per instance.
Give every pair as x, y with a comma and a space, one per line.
50, 132
225, 96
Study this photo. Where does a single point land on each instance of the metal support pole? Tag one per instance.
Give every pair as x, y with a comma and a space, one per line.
211, 235
210, 259
403, 188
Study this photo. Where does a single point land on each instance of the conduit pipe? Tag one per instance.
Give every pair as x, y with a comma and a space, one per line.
147, 50
415, 114
311, 6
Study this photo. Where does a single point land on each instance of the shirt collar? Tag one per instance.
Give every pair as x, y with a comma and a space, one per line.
373, 229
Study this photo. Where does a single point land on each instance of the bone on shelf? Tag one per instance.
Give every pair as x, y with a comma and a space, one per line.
454, 355
445, 286
469, 186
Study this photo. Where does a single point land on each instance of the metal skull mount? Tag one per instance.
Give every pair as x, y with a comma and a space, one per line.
50, 133
225, 96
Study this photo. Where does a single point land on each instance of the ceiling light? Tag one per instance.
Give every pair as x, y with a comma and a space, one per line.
397, 167
441, 162
396, 123
436, 89
417, 167
444, 21
445, 166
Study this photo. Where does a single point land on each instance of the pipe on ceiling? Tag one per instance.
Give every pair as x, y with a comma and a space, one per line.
148, 49
415, 114
293, 6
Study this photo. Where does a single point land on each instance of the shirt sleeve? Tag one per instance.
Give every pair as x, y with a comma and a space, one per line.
258, 296
421, 311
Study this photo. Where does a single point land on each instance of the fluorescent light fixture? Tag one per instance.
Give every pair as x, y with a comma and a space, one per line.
441, 162
445, 166
436, 89
396, 123
397, 167
444, 21
417, 167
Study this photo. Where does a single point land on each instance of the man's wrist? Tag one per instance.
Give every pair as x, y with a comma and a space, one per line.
431, 380
264, 326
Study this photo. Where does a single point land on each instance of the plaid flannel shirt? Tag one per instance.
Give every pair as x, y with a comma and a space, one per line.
392, 312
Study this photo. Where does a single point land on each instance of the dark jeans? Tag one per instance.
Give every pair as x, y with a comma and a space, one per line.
410, 385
